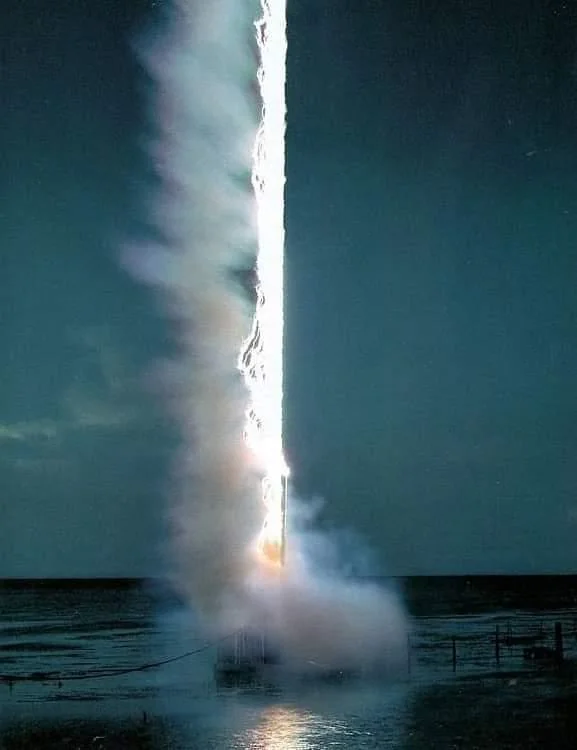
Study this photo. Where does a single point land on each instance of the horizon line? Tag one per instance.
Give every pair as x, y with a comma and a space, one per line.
160, 579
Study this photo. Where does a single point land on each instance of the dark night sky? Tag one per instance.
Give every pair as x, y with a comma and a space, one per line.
431, 276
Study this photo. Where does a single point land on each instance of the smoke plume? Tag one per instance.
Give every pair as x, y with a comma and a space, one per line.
205, 118
205, 114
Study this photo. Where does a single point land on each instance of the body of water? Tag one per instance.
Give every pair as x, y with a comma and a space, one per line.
71, 658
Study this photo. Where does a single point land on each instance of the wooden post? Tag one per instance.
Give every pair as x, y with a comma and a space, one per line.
497, 646
558, 643
454, 654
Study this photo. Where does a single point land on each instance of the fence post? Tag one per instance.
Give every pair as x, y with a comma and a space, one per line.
454, 643
497, 646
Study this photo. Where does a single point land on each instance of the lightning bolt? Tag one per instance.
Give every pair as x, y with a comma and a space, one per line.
261, 356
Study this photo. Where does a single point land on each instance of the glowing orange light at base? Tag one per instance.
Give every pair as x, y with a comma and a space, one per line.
272, 541
261, 357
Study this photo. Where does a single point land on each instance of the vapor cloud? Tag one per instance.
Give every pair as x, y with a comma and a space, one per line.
205, 117
204, 110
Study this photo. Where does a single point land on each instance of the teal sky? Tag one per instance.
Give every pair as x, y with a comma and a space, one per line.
431, 276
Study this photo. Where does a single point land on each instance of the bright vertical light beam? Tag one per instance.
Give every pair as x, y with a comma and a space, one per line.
261, 357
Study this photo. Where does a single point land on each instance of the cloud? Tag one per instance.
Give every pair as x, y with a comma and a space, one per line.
103, 395
33, 431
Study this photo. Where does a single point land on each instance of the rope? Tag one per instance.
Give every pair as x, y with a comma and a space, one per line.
60, 677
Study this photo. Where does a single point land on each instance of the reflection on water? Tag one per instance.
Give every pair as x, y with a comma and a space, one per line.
480, 704
352, 716
282, 728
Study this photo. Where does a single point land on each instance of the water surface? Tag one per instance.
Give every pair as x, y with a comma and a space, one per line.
63, 644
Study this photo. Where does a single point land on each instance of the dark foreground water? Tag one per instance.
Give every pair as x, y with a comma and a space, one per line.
62, 648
